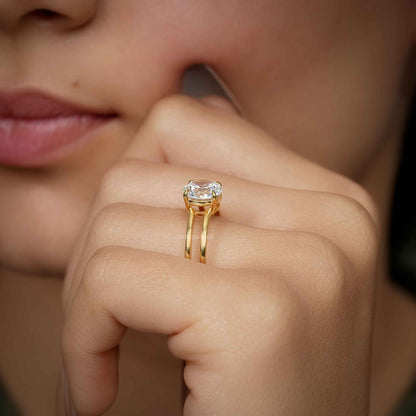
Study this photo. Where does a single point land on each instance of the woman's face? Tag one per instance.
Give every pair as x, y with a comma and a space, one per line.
325, 77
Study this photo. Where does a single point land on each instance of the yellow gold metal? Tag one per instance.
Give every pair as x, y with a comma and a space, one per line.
188, 241
206, 209
203, 249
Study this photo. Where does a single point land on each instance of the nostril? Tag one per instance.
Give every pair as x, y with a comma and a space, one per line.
43, 14
62, 15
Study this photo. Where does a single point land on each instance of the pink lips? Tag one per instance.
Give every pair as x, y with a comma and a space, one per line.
36, 129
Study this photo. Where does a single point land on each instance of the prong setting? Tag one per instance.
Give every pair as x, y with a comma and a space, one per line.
202, 198
202, 193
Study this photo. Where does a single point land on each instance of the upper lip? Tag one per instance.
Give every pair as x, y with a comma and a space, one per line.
31, 103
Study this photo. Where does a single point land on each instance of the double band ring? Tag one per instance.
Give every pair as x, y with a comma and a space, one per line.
202, 198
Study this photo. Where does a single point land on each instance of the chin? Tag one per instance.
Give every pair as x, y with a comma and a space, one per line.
38, 235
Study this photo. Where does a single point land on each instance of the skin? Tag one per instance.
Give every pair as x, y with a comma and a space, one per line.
323, 66
263, 309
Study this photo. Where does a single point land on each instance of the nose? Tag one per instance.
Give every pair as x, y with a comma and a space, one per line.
65, 14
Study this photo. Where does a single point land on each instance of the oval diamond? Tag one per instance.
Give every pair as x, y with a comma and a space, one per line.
202, 190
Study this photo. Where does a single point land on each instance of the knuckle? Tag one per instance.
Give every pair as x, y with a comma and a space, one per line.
358, 220
363, 198
94, 283
90, 298
104, 224
270, 305
113, 182
323, 254
328, 266
272, 318
169, 113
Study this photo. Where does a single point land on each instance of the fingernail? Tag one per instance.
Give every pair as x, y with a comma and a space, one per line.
69, 406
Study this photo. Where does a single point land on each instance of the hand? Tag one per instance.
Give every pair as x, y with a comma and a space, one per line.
279, 320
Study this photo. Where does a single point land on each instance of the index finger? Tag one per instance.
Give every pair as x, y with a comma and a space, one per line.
145, 291
185, 131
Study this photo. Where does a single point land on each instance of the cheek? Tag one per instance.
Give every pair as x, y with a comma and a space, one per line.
135, 52
305, 71
139, 50
323, 77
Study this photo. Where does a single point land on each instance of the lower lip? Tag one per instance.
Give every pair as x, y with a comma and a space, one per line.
38, 142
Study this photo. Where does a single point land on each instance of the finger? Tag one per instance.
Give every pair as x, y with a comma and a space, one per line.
230, 245
144, 291
338, 218
160, 293
184, 131
161, 230
135, 290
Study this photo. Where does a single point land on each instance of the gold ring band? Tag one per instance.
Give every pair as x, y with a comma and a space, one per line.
202, 198
189, 228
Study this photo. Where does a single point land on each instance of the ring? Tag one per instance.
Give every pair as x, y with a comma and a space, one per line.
202, 198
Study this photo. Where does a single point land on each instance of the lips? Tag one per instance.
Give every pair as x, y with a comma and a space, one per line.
37, 129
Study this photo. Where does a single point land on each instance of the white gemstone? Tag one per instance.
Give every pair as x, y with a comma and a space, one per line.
202, 190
